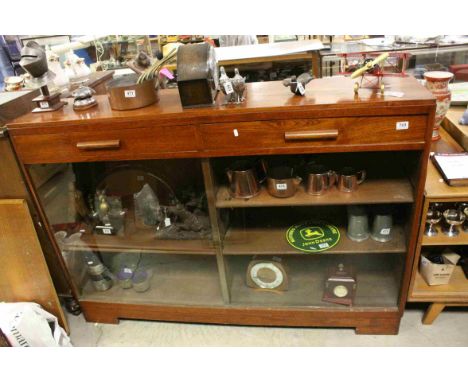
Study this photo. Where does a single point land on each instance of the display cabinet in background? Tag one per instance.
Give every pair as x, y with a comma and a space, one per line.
447, 285
213, 215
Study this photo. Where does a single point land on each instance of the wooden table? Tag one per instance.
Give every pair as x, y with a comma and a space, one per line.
456, 292
96, 80
457, 131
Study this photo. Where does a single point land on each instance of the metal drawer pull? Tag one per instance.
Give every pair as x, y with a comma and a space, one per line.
99, 145
310, 135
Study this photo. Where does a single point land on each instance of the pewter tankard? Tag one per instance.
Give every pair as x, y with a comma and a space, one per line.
319, 179
349, 179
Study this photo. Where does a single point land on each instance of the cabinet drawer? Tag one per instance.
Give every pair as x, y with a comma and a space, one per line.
310, 133
125, 144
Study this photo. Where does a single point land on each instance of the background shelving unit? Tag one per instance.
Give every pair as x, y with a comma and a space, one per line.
456, 292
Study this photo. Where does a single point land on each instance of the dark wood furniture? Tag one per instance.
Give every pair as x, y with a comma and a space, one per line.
455, 293
204, 280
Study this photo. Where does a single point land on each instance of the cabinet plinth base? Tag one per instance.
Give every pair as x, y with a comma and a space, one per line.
383, 327
365, 322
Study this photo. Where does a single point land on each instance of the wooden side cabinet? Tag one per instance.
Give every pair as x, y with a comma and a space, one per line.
455, 293
146, 221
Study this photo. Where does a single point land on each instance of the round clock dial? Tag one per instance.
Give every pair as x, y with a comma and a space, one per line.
266, 275
340, 291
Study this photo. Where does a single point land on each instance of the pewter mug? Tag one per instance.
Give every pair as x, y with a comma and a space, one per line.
281, 182
319, 179
244, 182
358, 223
382, 227
349, 179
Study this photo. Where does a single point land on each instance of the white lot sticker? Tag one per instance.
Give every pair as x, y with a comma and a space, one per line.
300, 88
404, 125
167, 222
236, 133
385, 231
324, 245
44, 105
281, 186
106, 231
228, 88
130, 93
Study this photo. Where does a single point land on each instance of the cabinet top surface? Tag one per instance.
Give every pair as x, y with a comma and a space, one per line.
436, 188
261, 97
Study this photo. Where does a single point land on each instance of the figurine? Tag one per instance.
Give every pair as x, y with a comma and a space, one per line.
147, 207
34, 61
109, 214
238, 84
225, 83
297, 85
83, 98
180, 223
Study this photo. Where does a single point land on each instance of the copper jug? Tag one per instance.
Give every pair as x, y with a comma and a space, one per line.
281, 182
319, 179
244, 178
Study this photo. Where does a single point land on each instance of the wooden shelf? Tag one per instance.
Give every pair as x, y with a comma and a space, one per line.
455, 291
370, 192
376, 288
442, 239
272, 241
143, 241
176, 280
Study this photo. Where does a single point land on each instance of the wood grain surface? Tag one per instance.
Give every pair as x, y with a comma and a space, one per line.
24, 276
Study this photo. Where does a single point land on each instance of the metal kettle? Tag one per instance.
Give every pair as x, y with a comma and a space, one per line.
281, 182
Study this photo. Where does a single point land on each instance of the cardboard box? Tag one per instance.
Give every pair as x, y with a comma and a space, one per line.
438, 274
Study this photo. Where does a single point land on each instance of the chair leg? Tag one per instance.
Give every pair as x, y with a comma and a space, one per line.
432, 312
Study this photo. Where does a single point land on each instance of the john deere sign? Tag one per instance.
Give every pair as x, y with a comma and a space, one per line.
313, 236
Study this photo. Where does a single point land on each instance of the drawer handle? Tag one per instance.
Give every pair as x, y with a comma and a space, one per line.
99, 145
310, 135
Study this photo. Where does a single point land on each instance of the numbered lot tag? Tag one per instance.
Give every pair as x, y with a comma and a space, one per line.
300, 88
44, 105
281, 186
404, 125
385, 231
228, 88
130, 93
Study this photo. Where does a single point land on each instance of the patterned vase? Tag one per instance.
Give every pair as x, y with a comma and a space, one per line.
437, 83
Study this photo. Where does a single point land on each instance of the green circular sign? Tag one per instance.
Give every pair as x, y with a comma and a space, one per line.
313, 236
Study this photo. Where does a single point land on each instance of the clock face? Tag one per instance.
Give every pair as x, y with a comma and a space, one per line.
340, 291
266, 275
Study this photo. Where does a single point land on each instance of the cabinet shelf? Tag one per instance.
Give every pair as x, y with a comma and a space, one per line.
442, 239
142, 241
376, 288
378, 191
180, 280
455, 290
272, 241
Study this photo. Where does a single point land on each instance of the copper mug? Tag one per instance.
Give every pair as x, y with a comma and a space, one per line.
319, 179
244, 178
281, 182
349, 179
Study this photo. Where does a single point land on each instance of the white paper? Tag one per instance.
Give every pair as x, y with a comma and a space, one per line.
454, 167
